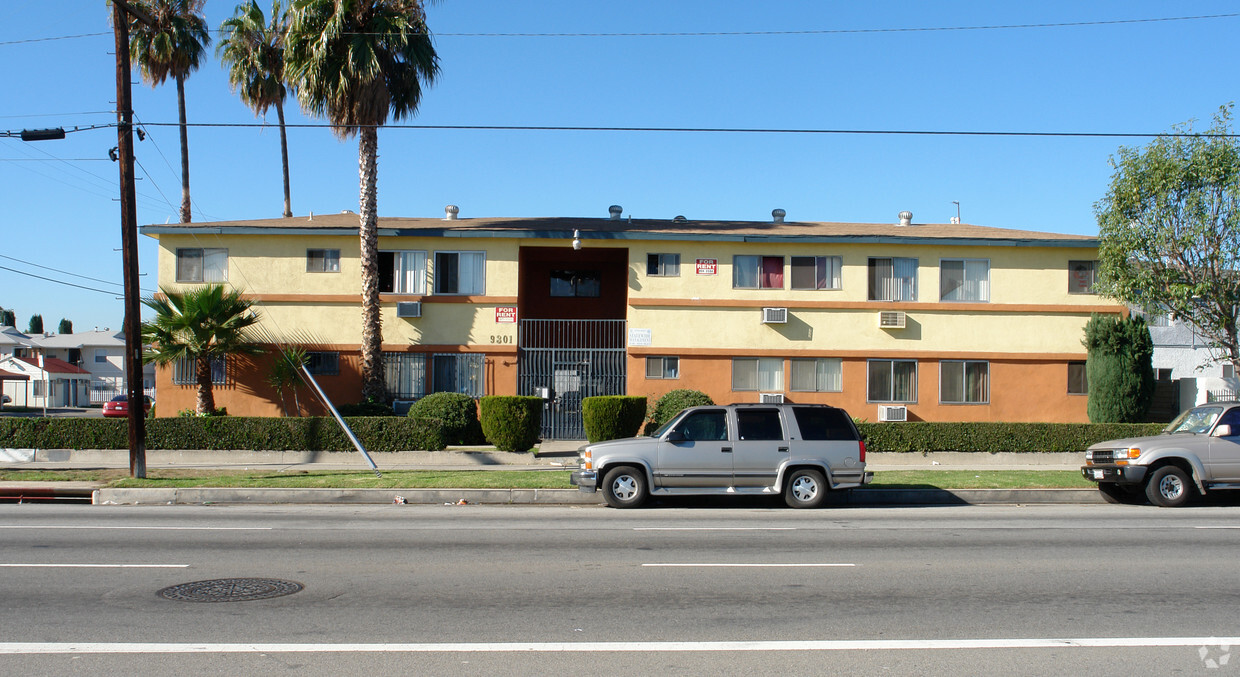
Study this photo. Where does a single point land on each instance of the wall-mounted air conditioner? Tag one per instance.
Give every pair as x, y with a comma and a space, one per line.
774, 316
887, 413
409, 309
771, 398
891, 319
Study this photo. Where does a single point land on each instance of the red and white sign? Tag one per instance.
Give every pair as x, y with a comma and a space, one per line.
506, 315
707, 266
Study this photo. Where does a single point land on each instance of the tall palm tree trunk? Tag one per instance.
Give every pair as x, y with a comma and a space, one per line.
202, 373
288, 203
186, 217
372, 329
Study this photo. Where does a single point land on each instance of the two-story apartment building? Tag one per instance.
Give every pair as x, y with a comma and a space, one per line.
897, 320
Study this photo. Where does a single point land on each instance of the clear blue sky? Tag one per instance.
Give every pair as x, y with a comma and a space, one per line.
1143, 77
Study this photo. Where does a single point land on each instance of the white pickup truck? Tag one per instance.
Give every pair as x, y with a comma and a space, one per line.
799, 451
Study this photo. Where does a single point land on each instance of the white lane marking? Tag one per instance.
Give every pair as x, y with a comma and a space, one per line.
725, 564
714, 528
72, 526
96, 566
10, 648
1219, 527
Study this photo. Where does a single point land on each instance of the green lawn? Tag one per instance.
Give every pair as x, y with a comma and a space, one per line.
502, 479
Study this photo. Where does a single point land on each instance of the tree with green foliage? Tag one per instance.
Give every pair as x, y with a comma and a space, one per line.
1119, 367
171, 45
35, 326
285, 376
1169, 230
199, 325
66, 327
354, 62
8, 318
253, 50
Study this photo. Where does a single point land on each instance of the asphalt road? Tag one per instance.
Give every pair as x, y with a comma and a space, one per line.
685, 589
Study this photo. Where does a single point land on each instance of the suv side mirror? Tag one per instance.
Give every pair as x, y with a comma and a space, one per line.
674, 435
1222, 430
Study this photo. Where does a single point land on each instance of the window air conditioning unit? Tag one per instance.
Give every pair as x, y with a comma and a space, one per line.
891, 319
771, 398
409, 309
886, 413
774, 316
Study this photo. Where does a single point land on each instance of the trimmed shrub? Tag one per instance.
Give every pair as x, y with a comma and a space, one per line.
1119, 368
923, 437
456, 412
613, 417
368, 408
677, 401
511, 423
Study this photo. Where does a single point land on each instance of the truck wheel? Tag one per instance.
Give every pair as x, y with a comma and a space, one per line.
806, 489
1119, 493
1169, 487
624, 487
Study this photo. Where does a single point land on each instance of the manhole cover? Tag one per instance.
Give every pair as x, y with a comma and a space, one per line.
230, 590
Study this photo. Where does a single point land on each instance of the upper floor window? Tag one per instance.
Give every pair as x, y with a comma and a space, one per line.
816, 272
402, 272
460, 272
101, 356
583, 283
663, 265
758, 272
893, 279
892, 381
322, 260
964, 280
197, 264
1081, 276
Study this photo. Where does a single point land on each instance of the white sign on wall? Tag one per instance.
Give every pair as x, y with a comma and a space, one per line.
639, 337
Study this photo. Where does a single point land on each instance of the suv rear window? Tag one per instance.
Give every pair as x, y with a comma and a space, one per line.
759, 424
823, 423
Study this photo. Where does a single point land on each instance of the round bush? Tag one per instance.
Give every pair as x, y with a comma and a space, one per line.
512, 423
456, 412
677, 401
612, 417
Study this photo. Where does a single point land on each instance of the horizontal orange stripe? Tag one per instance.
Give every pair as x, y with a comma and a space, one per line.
879, 305
859, 354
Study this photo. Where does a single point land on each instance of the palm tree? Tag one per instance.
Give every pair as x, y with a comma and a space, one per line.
202, 324
253, 50
356, 61
171, 45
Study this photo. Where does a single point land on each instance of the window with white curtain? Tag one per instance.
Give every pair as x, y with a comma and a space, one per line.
460, 272
404, 375
816, 272
197, 264
892, 381
893, 279
821, 375
757, 272
964, 279
964, 382
322, 260
758, 373
402, 272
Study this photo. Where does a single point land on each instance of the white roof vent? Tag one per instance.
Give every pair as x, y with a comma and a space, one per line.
777, 215
615, 211
450, 212
679, 218
906, 218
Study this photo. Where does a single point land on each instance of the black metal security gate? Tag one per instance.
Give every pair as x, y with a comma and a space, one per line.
566, 361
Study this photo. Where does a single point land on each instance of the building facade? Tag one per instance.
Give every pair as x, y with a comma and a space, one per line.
935, 322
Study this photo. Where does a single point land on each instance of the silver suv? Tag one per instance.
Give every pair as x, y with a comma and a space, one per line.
798, 450
1197, 452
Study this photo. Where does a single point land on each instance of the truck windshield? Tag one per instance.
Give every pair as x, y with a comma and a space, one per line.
1197, 421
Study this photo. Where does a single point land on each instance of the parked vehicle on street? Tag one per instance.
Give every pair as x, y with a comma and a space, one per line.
118, 407
799, 451
1196, 453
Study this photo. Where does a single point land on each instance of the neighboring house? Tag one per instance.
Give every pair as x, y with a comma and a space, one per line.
15, 343
935, 322
1184, 364
102, 353
50, 382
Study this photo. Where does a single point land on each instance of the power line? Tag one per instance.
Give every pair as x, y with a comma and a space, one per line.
57, 270
52, 279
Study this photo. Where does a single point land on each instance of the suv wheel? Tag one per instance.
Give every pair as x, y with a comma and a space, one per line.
624, 487
1169, 487
806, 489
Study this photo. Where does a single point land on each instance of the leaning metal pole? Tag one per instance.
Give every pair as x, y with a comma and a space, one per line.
336, 415
129, 245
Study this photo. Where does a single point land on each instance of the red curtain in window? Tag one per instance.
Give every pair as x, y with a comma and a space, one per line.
772, 272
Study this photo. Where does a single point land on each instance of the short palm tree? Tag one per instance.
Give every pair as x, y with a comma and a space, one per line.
253, 50
199, 325
356, 62
171, 45
286, 375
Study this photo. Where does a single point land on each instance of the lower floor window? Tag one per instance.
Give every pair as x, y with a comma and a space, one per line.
1078, 383
662, 367
185, 374
964, 382
892, 381
410, 376
758, 373
822, 375
322, 363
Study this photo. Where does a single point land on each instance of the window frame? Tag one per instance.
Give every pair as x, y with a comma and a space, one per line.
873, 291
761, 271
659, 265
663, 362
186, 276
757, 375
833, 274
577, 283
1083, 378
964, 280
219, 371
964, 376
323, 362
396, 284
1093, 276
328, 260
436, 270
816, 361
869, 386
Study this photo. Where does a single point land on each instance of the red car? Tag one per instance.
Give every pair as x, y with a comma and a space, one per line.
118, 407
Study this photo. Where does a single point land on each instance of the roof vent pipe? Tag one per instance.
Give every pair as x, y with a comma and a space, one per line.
450, 212
679, 219
906, 218
777, 215
615, 211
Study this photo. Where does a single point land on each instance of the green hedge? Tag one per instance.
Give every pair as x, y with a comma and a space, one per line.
511, 423
612, 417
457, 412
676, 401
309, 433
922, 437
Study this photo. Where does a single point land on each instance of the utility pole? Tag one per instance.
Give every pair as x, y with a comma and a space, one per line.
129, 242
